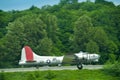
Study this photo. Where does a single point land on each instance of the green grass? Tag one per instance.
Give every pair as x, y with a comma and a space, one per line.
58, 75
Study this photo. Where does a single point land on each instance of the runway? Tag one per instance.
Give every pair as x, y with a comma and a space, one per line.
91, 67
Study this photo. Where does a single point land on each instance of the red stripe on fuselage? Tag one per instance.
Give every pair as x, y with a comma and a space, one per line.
29, 53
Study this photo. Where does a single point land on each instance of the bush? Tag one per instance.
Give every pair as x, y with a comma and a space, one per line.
31, 77
113, 69
50, 75
2, 76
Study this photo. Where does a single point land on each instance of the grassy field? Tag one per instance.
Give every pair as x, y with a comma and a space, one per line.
58, 75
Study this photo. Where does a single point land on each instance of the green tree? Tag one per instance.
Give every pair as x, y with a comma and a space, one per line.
112, 47
45, 46
27, 30
100, 37
68, 1
34, 29
99, 1
51, 27
112, 59
104, 2
106, 46
92, 47
81, 30
14, 41
5, 18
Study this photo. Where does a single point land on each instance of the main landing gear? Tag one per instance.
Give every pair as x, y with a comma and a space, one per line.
79, 66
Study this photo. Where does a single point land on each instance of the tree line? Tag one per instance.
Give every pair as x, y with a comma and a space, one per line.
62, 29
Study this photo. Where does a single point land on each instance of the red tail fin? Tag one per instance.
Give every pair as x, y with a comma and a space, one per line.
29, 54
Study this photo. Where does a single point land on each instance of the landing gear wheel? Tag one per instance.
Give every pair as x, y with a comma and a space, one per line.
59, 65
37, 67
79, 66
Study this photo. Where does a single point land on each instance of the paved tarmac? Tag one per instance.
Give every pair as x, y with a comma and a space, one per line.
91, 67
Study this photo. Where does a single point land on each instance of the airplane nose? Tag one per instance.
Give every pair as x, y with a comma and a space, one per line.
98, 56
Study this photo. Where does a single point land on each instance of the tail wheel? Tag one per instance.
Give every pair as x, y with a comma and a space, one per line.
79, 66
59, 65
37, 67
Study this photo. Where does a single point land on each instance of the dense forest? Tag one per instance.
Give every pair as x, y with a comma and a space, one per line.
62, 29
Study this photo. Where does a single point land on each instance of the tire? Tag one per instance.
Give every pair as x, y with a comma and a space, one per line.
59, 65
79, 66
37, 67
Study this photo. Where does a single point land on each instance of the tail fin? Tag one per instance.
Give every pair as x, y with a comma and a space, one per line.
27, 54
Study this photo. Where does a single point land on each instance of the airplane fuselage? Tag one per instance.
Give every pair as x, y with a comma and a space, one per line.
28, 57
43, 60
